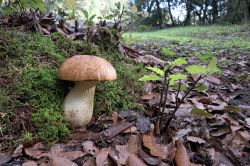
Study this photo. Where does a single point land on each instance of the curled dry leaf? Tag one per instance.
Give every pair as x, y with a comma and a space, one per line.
133, 160
35, 151
60, 161
18, 151
158, 150
196, 140
101, 157
90, 148
150, 160
181, 157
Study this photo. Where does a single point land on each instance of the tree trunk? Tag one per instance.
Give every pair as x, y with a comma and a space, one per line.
214, 10
189, 9
159, 12
170, 13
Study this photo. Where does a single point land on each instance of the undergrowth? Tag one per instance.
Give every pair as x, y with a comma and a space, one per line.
31, 96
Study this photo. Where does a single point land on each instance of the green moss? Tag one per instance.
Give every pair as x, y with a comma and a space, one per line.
51, 125
31, 62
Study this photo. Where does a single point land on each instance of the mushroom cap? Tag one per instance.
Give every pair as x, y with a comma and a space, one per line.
86, 67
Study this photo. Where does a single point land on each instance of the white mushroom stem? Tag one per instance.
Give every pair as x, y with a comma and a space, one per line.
78, 104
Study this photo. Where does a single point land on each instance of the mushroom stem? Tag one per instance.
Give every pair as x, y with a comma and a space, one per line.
78, 104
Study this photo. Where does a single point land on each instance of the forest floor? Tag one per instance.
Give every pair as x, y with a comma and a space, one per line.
126, 137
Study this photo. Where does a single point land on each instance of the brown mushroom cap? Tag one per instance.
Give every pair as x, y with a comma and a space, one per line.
86, 67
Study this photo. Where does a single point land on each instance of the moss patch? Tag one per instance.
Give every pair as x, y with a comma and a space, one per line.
31, 96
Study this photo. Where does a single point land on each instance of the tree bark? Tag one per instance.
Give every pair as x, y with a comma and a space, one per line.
189, 9
214, 10
170, 13
159, 12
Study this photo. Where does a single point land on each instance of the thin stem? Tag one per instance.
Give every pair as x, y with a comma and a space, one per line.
162, 92
181, 101
165, 101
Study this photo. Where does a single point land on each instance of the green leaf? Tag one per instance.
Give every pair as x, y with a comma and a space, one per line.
212, 66
118, 5
150, 78
179, 61
86, 14
109, 17
156, 70
201, 87
196, 69
168, 52
200, 112
176, 77
92, 17
183, 87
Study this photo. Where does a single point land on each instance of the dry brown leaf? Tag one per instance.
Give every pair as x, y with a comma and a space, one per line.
68, 155
101, 157
130, 130
213, 79
181, 156
18, 151
133, 160
196, 140
60, 161
29, 163
158, 150
133, 144
122, 154
90, 148
35, 151
150, 160
219, 158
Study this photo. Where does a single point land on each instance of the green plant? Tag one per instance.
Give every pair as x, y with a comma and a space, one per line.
51, 124
21, 6
205, 57
168, 52
178, 81
27, 136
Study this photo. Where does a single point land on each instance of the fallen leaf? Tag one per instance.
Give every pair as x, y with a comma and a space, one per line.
101, 157
220, 159
158, 150
68, 155
181, 133
181, 156
220, 131
133, 160
60, 161
196, 140
150, 160
35, 151
130, 130
90, 148
143, 124
133, 143
232, 108
18, 151
122, 153
29, 163
213, 79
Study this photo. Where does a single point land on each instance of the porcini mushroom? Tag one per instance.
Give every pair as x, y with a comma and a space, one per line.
85, 71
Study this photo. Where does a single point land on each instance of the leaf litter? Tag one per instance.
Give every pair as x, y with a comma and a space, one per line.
218, 135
